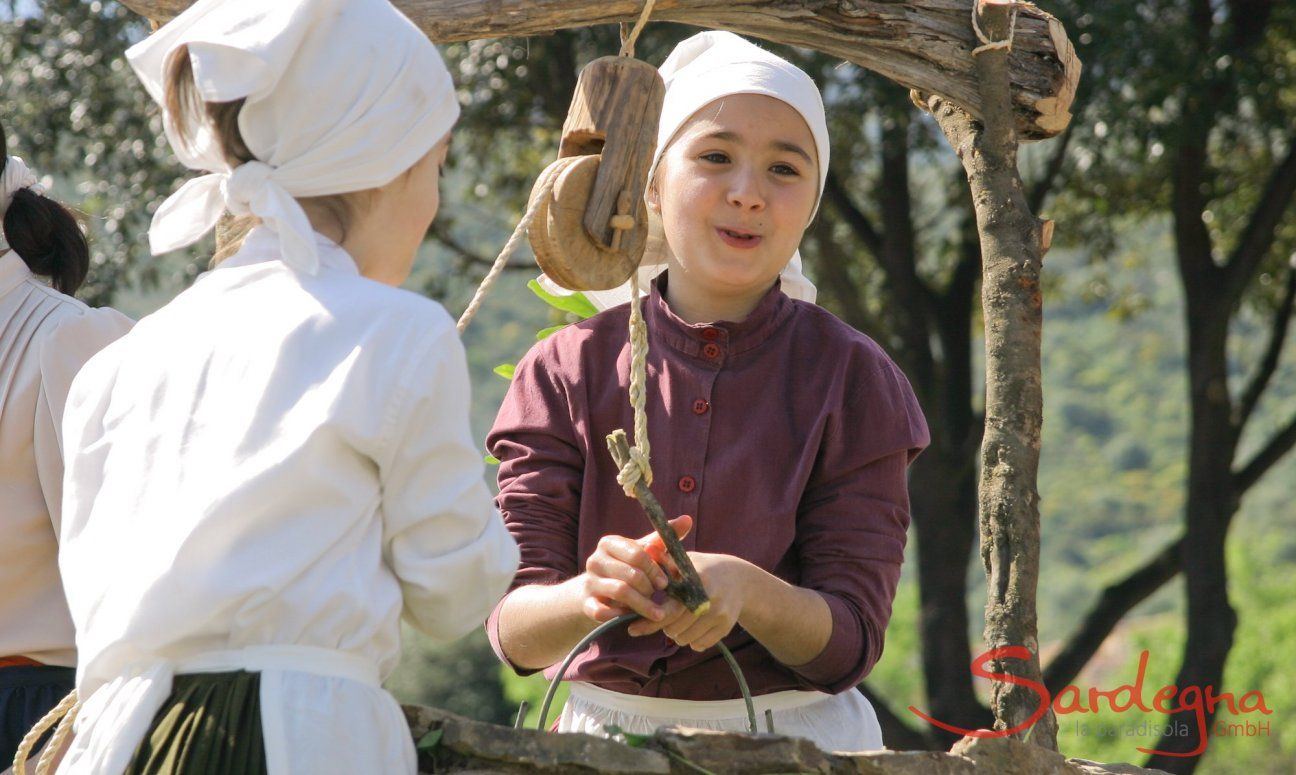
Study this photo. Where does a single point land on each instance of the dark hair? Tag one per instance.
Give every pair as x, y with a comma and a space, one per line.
45, 235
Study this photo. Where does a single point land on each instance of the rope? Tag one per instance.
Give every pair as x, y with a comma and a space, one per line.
542, 192
62, 714
986, 43
628, 39
637, 467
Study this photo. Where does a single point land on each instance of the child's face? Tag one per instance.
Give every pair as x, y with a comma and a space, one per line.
735, 190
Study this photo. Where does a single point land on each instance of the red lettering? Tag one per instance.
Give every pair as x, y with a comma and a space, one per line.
1161, 700
1076, 706
978, 669
1212, 701
1260, 706
1200, 712
1134, 691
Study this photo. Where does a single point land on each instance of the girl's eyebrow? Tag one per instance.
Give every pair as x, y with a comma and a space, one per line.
782, 145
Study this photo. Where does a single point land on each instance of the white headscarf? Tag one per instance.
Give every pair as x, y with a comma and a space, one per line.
16, 176
340, 96
701, 70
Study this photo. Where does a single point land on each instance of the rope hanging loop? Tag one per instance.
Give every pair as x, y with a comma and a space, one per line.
594, 227
986, 43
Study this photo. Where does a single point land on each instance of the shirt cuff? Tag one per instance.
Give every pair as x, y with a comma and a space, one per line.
492, 634
834, 669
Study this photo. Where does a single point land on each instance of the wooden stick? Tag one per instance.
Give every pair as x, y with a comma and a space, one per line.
688, 588
920, 44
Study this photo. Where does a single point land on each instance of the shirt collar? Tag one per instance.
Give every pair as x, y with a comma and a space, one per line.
13, 271
262, 244
720, 341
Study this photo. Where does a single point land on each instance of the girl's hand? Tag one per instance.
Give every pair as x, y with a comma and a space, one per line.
622, 576
727, 584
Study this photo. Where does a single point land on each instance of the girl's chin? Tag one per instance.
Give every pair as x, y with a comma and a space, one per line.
735, 282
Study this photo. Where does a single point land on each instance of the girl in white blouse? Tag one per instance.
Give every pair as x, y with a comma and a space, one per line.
274, 468
45, 337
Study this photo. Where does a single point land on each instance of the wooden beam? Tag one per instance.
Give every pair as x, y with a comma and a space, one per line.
924, 45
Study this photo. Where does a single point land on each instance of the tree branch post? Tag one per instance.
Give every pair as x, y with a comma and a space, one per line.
920, 44
1012, 252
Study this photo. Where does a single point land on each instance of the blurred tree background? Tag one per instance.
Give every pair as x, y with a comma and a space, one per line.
1170, 381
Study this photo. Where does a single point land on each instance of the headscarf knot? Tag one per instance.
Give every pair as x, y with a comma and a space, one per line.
244, 185
16, 177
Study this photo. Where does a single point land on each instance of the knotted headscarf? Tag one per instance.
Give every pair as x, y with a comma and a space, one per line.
16, 176
701, 70
340, 96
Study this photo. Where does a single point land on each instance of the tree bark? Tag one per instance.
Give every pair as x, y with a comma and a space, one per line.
1013, 309
921, 44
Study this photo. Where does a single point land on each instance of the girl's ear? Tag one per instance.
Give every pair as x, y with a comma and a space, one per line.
653, 198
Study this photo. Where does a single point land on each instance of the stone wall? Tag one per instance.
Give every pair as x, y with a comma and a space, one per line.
454, 744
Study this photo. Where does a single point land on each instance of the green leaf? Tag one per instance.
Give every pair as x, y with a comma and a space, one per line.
576, 303
430, 740
545, 332
491, 460
631, 739
505, 370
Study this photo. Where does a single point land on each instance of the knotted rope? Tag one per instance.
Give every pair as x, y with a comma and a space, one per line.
637, 466
986, 43
63, 714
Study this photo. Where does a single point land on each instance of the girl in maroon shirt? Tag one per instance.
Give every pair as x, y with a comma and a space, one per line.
784, 433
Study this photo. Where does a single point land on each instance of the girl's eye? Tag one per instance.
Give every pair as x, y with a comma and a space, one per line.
715, 157
784, 169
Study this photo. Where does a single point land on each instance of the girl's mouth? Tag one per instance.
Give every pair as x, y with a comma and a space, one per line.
738, 239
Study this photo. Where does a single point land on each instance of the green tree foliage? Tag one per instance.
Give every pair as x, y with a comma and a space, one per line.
1189, 112
77, 113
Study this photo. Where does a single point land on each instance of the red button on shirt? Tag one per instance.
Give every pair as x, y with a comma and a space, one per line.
711, 351
710, 334
700, 407
687, 484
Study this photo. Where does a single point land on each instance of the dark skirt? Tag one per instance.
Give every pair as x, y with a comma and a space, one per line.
211, 724
27, 694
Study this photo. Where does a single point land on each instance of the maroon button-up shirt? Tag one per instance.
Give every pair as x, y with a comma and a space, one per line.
786, 436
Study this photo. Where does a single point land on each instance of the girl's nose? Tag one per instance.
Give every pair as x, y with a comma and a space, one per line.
745, 191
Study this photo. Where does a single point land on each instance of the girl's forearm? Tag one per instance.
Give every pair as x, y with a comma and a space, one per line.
794, 623
539, 624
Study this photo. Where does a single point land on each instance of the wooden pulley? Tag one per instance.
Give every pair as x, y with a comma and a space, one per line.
590, 232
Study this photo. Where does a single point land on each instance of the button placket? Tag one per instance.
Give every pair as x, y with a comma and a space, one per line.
688, 476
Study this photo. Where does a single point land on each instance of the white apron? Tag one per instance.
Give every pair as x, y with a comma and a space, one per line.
302, 688
840, 722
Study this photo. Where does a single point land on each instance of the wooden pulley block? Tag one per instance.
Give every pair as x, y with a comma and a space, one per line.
590, 232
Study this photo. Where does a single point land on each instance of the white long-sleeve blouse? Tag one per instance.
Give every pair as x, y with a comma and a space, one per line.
284, 460
45, 337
